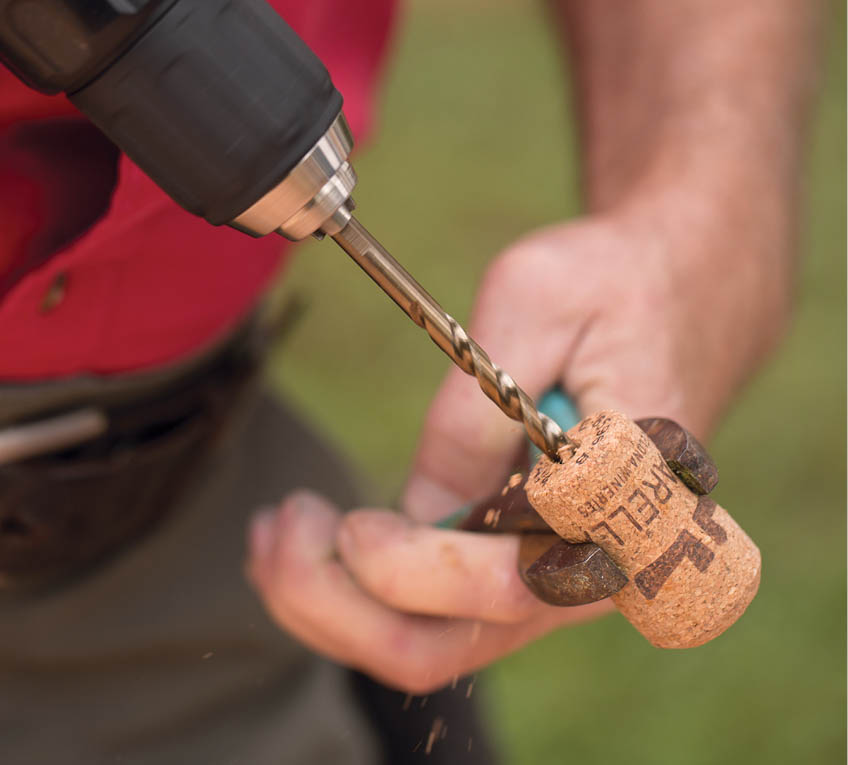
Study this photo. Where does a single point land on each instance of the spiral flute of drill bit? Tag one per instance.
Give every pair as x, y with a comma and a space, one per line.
446, 332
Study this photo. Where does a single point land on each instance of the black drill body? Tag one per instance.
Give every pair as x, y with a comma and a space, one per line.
216, 100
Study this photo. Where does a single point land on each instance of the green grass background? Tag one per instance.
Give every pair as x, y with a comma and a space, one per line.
475, 147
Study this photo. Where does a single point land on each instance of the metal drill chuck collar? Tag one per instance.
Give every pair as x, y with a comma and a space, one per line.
313, 197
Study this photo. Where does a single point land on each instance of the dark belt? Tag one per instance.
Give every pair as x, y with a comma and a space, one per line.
65, 508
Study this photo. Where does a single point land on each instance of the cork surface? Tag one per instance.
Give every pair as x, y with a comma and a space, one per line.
692, 569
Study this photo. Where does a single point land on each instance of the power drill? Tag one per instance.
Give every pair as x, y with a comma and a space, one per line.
231, 114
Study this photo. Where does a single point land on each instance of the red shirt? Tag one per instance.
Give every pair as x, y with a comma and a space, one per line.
145, 282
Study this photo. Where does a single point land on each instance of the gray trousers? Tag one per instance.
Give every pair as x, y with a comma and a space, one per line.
163, 654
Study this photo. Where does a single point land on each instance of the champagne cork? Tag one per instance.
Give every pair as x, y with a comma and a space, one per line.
692, 569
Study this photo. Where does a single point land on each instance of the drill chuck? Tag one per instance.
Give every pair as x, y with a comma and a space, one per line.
314, 197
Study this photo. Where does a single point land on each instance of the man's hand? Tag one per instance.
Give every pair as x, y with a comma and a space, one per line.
599, 307
638, 311
408, 604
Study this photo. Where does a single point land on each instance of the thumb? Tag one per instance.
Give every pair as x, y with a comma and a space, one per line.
468, 444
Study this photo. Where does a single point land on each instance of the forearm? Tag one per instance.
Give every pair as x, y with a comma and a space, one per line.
692, 117
710, 96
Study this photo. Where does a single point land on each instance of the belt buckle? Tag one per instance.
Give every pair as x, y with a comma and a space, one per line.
51, 434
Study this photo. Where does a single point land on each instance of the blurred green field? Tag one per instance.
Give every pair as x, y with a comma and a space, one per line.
772, 690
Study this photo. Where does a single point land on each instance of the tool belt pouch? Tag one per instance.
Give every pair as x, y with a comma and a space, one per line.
61, 513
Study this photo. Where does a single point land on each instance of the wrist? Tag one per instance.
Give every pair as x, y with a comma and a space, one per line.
719, 233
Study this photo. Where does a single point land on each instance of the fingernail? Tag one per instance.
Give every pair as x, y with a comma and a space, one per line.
427, 501
262, 532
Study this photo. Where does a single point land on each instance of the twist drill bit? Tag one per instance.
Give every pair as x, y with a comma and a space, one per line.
446, 332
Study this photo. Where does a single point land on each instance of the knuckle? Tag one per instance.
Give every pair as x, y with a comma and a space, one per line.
505, 267
518, 267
